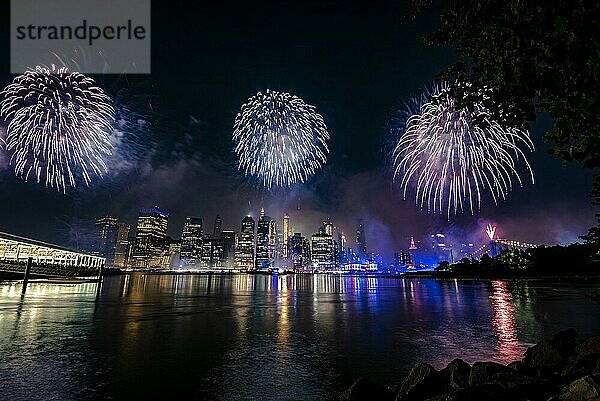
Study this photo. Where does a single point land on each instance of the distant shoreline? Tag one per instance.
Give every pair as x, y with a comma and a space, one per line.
432, 275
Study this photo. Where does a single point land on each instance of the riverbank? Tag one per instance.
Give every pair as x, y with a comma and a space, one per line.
563, 368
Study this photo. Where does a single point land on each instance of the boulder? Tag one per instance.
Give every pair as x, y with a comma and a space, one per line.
585, 389
487, 392
366, 390
584, 361
565, 342
485, 372
582, 366
588, 347
522, 369
422, 382
543, 356
456, 374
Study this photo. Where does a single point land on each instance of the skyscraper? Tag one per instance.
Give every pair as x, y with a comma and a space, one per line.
122, 247
299, 252
361, 243
342, 257
218, 227
150, 238
265, 241
328, 226
244, 256
229, 238
107, 234
322, 250
286, 235
191, 241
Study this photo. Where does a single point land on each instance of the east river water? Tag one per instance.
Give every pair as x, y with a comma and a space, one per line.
245, 337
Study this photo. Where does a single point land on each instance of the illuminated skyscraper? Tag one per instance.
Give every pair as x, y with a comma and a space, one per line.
403, 259
150, 238
122, 247
191, 242
342, 257
107, 231
361, 242
299, 252
265, 241
218, 227
286, 235
244, 253
412, 245
229, 240
322, 250
328, 226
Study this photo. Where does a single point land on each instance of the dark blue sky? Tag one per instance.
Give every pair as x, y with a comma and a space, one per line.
355, 61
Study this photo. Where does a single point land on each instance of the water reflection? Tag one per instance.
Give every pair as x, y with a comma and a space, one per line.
509, 349
218, 337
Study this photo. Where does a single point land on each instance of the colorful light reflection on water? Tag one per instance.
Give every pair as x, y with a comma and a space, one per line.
272, 338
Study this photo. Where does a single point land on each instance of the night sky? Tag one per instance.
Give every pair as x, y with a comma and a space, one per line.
355, 61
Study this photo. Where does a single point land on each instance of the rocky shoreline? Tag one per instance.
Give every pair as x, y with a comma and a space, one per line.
563, 368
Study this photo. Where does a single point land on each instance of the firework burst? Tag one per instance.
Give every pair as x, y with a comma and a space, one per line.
279, 139
449, 155
59, 127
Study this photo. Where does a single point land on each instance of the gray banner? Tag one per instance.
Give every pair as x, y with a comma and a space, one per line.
89, 36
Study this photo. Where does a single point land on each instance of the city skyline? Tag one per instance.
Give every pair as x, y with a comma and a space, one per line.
274, 242
182, 157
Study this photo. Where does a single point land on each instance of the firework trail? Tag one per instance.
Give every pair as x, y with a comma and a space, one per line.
59, 127
279, 139
450, 155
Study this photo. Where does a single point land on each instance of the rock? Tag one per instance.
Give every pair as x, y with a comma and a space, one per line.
585, 389
484, 372
543, 356
582, 366
487, 392
588, 347
366, 390
456, 374
422, 382
522, 369
584, 361
565, 342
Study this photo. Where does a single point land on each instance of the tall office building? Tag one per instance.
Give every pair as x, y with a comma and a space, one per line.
286, 235
403, 259
107, 227
228, 238
150, 238
342, 257
361, 243
299, 252
322, 250
328, 226
266, 235
244, 253
191, 242
213, 253
218, 227
122, 250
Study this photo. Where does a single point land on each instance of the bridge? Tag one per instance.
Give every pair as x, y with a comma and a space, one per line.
45, 259
499, 244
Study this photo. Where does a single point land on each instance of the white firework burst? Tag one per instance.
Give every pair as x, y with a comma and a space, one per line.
279, 139
59, 127
449, 155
